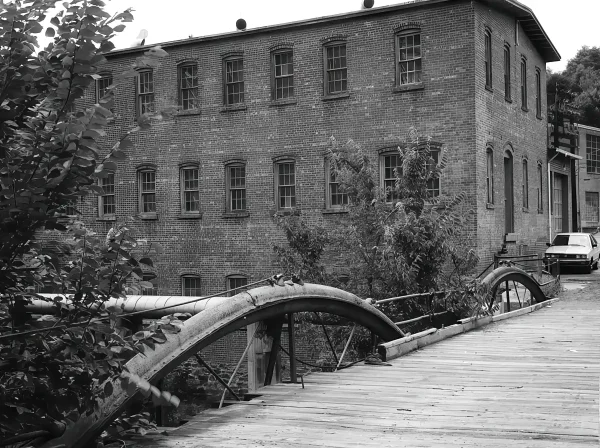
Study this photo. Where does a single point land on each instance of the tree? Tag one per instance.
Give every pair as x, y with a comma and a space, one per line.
53, 368
392, 242
579, 85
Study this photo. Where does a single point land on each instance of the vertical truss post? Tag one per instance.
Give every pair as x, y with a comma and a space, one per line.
273, 328
507, 298
292, 347
327, 336
346, 347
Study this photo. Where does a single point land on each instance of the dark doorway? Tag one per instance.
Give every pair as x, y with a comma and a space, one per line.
560, 203
509, 200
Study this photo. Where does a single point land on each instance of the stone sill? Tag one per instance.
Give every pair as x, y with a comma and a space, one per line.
288, 212
190, 216
408, 87
236, 215
489, 88
148, 216
233, 108
107, 218
489, 206
286, 102
540, 212
524, 109
183, 113
334, 211
525, 210
508, 100
336, 96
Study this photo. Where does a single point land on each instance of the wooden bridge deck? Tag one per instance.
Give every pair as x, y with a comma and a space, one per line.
531, 381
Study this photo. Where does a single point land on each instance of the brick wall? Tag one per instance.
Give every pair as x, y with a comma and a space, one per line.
505, 126
453, 107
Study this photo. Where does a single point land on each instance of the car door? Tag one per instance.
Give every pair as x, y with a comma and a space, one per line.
595, 248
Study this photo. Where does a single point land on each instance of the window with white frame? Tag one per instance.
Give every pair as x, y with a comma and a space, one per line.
408, 57
592, 153
433, 184
190, 285
335, 198
107, 204
147, 190
235, 185
285, 184
102, 85
592, 211
147, 291
190, 190
282, 69
187, 76
336, 68
233, 68
390, 168
145, 92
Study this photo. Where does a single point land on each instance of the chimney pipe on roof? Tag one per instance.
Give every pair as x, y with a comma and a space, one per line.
367, 4
240, 24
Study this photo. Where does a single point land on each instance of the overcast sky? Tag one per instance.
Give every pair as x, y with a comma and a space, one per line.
569, 23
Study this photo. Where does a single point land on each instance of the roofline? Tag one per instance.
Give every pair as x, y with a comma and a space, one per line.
510, 5
589, 128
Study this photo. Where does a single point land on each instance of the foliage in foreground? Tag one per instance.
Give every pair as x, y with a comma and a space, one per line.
53, 368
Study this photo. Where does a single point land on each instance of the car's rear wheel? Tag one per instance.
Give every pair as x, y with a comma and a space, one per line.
595, 265
588, 268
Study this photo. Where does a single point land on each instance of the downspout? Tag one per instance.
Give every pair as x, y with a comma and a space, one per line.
550, 200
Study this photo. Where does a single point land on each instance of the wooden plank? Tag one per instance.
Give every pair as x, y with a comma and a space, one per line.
523, 382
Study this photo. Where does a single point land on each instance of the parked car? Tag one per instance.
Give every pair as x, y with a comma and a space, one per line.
574, 250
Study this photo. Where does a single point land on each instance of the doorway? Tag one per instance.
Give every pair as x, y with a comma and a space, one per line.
560, 203
509, 190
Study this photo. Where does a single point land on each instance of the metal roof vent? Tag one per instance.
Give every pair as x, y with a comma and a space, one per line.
367, 4
240, 24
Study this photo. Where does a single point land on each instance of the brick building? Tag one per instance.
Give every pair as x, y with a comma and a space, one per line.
257, 109
589, 178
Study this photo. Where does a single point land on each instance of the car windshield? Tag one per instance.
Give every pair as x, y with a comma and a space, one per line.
571, 240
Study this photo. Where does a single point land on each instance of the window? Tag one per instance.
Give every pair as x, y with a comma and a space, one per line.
538, 93
283, 74
525, 185
507, 86
149, 291
188, 86
335, 199
147, 191
336, 71
285, 184
592, 211
235, 178
390, 168
524, 84
145, 92
408, 58
190, 190
102, 85
489, 179
592, 153
488, 59
540, 192
234, 80
236, 284
107, 202
190, 285
433, 185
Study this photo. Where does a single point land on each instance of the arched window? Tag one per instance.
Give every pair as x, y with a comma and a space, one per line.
507, 75
488, 58
334, 198
107, 202
145, 92
525, 185
335, 73
538, 93
540, 192
282, 73
524, 83
235, 186
390, 168
489, 178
